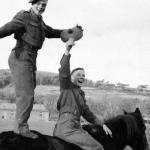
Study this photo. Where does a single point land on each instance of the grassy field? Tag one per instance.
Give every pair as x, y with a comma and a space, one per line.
101, 102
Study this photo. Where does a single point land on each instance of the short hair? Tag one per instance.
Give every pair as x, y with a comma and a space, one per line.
76, 69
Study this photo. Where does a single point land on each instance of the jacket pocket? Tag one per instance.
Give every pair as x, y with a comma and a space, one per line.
34, 29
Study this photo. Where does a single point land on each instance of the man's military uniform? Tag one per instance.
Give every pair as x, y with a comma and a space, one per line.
72, 105
30, 32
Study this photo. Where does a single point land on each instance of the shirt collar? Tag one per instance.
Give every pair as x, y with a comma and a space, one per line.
75, 86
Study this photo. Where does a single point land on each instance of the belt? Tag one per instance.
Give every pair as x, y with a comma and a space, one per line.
67, 113
28, 47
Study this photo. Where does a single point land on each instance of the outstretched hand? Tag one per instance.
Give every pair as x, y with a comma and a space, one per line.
74, 33
69, 44
107, 130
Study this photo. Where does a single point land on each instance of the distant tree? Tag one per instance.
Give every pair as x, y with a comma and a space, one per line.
55, 80
122, 86
110, 86
100, 83
142, 87
89, 83
5, 78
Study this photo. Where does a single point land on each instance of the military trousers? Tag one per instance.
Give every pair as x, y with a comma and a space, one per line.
69, 129
23, 69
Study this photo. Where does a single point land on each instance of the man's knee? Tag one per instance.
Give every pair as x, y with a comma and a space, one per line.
99, 147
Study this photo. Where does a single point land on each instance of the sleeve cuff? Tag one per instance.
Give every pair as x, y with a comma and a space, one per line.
99, 121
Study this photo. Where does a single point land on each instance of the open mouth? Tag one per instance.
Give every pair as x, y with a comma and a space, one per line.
80, 81
40, 10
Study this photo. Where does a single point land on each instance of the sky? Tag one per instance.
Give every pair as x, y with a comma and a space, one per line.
115, 45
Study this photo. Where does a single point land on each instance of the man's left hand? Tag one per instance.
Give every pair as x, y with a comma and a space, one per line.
107, 130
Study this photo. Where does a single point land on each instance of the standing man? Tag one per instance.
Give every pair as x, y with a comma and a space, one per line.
30, 32
72, 105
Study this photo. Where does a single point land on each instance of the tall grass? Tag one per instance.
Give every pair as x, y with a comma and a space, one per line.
102, 103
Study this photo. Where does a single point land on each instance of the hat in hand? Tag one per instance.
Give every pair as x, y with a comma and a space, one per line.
74, 34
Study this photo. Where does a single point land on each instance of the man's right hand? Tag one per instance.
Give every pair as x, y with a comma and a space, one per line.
107, 130
69, 44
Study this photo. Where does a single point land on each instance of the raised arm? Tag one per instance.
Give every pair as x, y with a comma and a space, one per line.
64, 70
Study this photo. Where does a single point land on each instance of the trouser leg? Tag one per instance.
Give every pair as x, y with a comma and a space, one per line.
24, 78
69, 129
82, 139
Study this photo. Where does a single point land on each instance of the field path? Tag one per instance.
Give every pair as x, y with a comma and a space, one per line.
41, 126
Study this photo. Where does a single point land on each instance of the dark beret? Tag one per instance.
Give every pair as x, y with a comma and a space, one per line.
34, 1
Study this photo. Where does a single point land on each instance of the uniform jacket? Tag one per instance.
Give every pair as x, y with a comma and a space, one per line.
72, 98
30, 28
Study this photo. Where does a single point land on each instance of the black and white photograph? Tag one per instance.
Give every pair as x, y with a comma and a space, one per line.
75, 74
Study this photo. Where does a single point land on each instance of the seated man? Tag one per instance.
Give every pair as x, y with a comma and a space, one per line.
72, 105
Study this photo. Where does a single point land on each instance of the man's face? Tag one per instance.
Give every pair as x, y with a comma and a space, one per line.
39, 7
78, 77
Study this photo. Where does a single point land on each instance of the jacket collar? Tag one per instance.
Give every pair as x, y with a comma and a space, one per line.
75, 86
35, 16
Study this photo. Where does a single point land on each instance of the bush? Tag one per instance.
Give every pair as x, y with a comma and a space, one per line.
50, 103
5, 78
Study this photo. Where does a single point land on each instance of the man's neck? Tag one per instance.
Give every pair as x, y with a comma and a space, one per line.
35, 13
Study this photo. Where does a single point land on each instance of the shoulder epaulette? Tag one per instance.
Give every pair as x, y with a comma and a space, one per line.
23, 12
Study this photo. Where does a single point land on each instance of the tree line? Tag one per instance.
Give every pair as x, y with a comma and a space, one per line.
42, 78
48, 78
